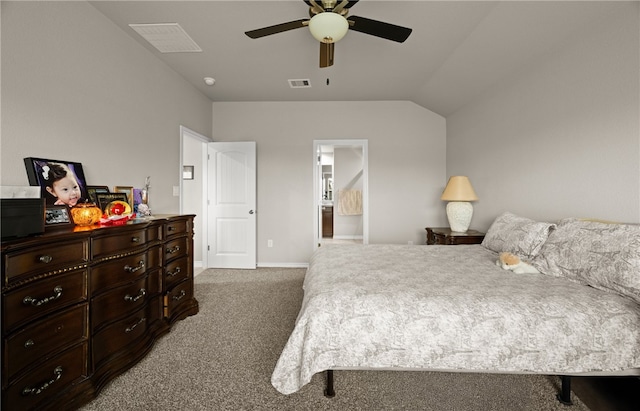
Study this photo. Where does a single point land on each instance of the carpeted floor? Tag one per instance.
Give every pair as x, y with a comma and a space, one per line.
222, 359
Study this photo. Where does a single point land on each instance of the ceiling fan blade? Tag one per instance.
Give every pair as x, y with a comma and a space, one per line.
278, 28
326, 54
379, 29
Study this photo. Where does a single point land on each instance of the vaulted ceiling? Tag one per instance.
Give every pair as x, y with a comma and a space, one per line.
456, 51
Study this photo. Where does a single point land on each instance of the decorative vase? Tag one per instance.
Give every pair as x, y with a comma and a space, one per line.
86, 214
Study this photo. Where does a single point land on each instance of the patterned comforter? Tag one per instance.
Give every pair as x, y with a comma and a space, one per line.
450, 308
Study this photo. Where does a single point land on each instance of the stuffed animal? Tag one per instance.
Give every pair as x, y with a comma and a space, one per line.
509, 261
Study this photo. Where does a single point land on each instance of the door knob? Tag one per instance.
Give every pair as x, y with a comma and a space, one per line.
250, 211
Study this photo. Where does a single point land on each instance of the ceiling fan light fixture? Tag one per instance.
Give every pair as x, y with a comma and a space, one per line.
328, 27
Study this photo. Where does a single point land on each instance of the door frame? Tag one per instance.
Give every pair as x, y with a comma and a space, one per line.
317, 200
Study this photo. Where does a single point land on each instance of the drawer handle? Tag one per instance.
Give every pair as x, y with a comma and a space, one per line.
45, 259
173, 274
171, 228
133, 327
141, 294
57, 293
57, 372
135, 239
173, 250
179, 297
130, 269
29, 343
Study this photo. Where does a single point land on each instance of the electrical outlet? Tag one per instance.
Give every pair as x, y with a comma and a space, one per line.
269, 243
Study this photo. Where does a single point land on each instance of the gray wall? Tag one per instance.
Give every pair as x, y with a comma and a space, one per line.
406, 167
75, 87
562, 137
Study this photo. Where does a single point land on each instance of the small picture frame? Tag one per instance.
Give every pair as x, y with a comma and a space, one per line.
187, 172
105, 198
92, 192
57, 216
128, 191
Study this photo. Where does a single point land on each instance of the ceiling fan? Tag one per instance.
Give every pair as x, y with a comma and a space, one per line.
328, 23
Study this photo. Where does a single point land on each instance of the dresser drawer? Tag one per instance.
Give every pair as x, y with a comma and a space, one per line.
175, 248
177, 227
47, 379
126, 332
45, 258
124, 299
122, 242
176, 271
35, 300
46, 336
126, 269
181, 293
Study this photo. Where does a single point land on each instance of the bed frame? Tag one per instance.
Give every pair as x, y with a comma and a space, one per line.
564, 396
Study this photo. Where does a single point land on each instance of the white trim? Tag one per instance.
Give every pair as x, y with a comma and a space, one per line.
283, 265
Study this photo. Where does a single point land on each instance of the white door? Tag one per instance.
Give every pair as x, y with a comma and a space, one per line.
232, 205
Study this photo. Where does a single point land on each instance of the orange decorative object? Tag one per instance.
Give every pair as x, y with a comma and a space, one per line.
86, 214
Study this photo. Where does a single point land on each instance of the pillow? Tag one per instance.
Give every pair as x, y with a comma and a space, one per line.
604, 256
518, 235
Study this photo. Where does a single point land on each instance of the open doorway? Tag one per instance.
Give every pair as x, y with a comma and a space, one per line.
193, 189
340, 181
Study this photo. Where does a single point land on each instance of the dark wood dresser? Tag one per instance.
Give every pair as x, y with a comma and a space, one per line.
444, 236
81, 306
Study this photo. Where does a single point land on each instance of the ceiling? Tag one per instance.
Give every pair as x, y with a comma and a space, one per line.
457, 50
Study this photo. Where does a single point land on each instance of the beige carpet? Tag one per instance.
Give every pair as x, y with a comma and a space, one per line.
222, 359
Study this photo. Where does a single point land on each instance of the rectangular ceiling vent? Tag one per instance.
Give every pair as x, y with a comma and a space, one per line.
300, 83
167, 37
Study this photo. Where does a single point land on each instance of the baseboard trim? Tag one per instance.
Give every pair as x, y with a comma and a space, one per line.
283, 265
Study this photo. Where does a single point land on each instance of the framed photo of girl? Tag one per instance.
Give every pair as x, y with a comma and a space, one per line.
61, 182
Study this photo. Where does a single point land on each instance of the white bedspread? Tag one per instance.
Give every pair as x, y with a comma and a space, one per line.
450, 308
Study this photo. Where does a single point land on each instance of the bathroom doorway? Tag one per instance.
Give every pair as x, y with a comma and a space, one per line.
340, 181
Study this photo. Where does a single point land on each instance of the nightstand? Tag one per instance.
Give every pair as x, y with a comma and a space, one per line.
444, 236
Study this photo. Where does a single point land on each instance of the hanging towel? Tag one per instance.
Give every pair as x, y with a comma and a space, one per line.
350, 202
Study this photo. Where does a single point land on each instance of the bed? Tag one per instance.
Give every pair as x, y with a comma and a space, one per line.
451, 308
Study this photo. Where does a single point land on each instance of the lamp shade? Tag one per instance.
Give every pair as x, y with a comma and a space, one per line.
328, 27
459, 189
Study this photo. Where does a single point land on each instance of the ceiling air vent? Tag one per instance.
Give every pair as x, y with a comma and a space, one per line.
167, 37
300, 83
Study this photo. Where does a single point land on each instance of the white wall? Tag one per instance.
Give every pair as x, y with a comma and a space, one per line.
561, 138
194, 148
75, 87
406, 167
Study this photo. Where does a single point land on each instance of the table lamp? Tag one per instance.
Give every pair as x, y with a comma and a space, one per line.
459, 193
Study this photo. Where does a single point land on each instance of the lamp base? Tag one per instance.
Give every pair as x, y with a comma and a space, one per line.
459, 214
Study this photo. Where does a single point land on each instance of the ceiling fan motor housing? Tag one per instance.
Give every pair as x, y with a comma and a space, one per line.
328, 27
